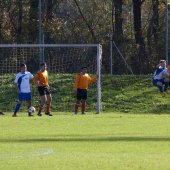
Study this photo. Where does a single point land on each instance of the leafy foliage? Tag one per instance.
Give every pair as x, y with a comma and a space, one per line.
139, 36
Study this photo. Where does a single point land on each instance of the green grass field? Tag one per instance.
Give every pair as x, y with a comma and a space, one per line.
132, 133
108, 141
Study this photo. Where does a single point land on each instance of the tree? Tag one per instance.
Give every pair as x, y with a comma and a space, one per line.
1, 20
138, 22
153, 31
19, 27
48, 17
33, 21
86, 22
118, 27
141, 57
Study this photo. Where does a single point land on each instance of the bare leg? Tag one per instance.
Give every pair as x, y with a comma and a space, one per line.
48, 104
43, 101
76, 105
83, 107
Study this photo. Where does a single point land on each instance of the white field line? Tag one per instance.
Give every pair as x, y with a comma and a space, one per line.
44, 151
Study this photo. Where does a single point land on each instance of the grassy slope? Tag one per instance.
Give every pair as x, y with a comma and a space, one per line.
133, 94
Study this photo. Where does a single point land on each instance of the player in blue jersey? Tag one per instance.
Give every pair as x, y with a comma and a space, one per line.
161, 77
22, 82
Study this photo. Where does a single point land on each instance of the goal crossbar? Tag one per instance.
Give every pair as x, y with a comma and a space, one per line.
49, 45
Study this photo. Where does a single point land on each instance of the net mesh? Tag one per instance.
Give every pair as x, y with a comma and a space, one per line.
63, 65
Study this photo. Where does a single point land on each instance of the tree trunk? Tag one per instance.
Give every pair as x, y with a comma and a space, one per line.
155, 20
153, 31
33, 21
48, 20
19, 28
1, 21
140, 61
137, 22
118, 30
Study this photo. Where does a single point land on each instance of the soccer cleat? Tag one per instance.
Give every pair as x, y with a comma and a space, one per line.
14, 115
1, 113
163, 94
39, 114
30, 114
83, 113
48, 113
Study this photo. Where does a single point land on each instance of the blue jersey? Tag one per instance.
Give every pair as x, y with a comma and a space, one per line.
158, 73
22, 81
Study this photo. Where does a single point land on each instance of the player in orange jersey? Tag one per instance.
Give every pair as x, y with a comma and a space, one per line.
80, 87
41, 78
168, 68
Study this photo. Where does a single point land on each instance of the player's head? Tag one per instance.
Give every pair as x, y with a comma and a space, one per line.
162, 63
43, 66
84, 69
23, 67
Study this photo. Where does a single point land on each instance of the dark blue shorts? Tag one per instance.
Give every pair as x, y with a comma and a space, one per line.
154, 82
81, 94
44, 90
24, 96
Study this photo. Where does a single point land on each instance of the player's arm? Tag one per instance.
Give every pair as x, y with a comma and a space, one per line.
92, 79
47, 81
16, 84
16, 87
37, 80
165, 73
158, 65
31, 77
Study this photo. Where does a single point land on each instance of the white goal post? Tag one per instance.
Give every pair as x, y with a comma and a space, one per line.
42, 58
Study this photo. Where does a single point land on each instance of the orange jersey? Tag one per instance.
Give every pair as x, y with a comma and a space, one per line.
42, 78
169, 71
82, 81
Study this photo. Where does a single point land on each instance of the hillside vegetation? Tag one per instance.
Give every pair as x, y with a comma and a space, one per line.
125, 93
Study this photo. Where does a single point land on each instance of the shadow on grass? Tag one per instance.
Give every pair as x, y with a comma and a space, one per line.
70, 138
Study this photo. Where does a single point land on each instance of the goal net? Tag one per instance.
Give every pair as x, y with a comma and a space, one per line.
64, 61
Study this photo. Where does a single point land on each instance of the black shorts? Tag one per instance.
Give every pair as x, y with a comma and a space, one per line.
44, 90
81, 94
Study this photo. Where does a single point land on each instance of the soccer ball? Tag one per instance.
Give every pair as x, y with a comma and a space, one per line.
31, 109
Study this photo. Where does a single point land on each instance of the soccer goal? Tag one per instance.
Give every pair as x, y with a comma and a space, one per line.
63, 61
